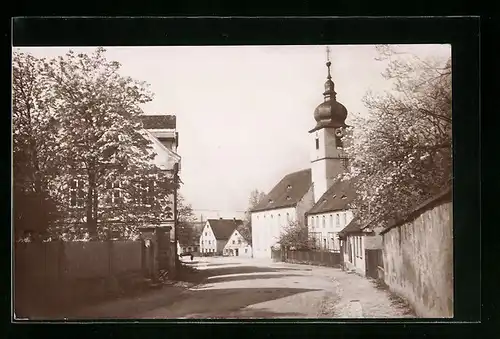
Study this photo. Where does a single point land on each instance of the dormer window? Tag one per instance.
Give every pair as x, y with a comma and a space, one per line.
344, 197
334, 196
270, 201
288, 198
289, 187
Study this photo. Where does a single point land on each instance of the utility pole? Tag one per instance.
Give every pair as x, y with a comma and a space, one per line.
176, 183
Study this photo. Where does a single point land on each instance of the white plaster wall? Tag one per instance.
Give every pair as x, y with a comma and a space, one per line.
324, 171
267, 227
204, 246
304, 205
358, 262
315, 223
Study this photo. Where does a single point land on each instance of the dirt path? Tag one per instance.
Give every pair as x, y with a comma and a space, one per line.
246, 288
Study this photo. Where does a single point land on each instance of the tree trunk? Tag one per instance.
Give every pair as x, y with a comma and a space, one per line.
41, 213
91, 221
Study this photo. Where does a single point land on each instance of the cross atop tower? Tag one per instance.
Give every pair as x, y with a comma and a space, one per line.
328, 63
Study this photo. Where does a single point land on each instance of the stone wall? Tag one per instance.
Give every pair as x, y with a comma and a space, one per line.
418, 260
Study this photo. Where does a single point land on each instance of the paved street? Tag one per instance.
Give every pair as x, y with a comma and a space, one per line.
252, 288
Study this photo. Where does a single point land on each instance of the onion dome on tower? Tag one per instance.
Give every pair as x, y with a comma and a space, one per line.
330, 113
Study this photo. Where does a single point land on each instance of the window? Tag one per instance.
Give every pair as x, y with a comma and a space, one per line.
289, 187
234, 242
246, 250
205, 234
324, 223
312, 222
287, 217
317, 143
77, 193
331, 221
361, 247
209, 242
147, 188
239, 241
345, 218
337, 219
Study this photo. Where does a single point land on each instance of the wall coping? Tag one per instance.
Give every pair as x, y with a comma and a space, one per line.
444, 196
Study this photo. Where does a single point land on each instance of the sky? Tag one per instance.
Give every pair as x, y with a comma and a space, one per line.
243, 112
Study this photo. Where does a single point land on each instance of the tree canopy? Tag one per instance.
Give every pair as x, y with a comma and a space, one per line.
255, 198
401, 152
295, 236
79, 140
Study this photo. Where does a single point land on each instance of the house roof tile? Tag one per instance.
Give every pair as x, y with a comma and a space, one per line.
223, 228
287, 193
336, 198
244, 233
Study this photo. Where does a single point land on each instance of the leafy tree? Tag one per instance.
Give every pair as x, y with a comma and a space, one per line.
187, 231
401, 152
99, 130
295, 236
35, 147
255, 198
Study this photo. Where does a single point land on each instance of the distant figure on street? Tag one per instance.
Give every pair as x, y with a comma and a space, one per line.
191, 256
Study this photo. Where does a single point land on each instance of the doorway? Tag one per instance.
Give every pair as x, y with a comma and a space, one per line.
236, 252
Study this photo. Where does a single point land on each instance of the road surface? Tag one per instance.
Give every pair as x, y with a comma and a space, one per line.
233, 287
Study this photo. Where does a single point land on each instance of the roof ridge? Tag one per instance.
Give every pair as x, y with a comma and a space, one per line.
297, 172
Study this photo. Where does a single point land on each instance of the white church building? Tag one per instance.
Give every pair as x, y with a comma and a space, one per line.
313, 197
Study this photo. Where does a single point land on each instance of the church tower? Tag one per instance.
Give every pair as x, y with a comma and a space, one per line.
328, 158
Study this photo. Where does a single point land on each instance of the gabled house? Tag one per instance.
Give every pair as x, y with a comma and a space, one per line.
216, 233
287, 202
356, 238
330, 215
238, 244
160, 131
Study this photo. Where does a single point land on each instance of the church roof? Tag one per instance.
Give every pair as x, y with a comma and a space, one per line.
159, 121
224, 228
287, 193
336, 198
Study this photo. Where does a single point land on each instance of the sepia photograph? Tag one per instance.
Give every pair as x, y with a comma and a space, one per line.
232, 182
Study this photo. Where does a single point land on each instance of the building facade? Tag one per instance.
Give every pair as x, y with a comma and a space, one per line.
285, 204
161, 130
237, 245
321, 203
216, 234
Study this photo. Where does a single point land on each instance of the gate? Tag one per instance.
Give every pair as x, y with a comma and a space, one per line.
373, 261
